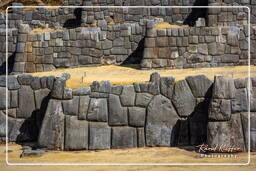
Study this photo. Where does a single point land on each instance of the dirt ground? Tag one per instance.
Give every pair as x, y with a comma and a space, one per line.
84, 76
136, 155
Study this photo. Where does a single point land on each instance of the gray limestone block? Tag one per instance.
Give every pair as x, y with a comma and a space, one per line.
223, 88
140, 137
82, 91
3, 98
99, 136
27, 104
143, 99
117, 113
162, 41
43, 81
36, 83
252, 138
220, 110
25, 79
99, 95
124, 137
52, 131
241, 82
83, 107
200, 85
150, 43
166, 86
70, 107
41, 97
160, 128
14, 129
102, 87
98, 110
183, 99
240, 103
14, 101
229, 134
76, 133
50, 82
13, 83
67, 93
137, 116
253, 80
128, 96
154, 84
117, 89
58, 88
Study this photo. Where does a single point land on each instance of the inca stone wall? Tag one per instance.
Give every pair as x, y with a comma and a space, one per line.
193, 47
160, 112
107, 22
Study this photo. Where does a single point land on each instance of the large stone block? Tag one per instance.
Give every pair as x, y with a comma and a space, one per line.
220, 110
3, 98
161, 121
183, 99
244, 117
200, 86
128, 96
140, 137
228, 134
58, 88
98, 110
26, 105
143, 99
124, 137
51, 134
41, 97
240, 103
70, 107
100, 136
117, 113
76, 133
137, 116
223, 88
83, 107
166, 86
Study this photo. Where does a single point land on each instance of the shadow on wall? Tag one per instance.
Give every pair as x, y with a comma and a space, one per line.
73, 23
197, 13
29, 131
137, 55
10, 65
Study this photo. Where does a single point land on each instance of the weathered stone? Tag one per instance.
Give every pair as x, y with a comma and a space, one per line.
160, 128
200, 85
13, 99
41, 97
223, 88
124, 137
183, 99
2, 98
58, 88
100, 136
102, 87
128, 96
140, 137
82, 91
52, 131
143, 99
83, 107
76, 133
229, 134
70, 107
117, 113
13, 83
99, 95
244, 117
240, 103
220, 110
36, 83
137, 116
166, 86
98, 110
117, 89
25, 79
240, 83
67, 93
26, 105
229, 58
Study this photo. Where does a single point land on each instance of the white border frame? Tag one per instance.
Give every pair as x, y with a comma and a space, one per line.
129, 164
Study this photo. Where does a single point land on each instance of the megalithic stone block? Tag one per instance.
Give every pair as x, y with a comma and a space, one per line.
51, 134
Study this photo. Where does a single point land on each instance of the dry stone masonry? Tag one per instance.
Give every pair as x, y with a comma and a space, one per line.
160, 112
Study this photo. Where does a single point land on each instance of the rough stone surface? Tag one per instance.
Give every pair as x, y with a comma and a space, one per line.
137, 116
244, 117
160, 128
223, 88
41, 97
70, 107
76, 133
143, 99
117, 113
52, 131
98, 110
124, 137
220, 109
83, 107
100, 136
166, 86
183, 98
128, 96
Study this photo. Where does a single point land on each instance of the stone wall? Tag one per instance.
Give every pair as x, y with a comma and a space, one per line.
161, 112
193, 47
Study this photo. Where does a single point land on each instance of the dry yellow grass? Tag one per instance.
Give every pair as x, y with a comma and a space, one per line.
165, 25
128, 75
43, 30
139, 155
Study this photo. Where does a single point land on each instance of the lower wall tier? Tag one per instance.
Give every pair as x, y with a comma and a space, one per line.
161, 112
